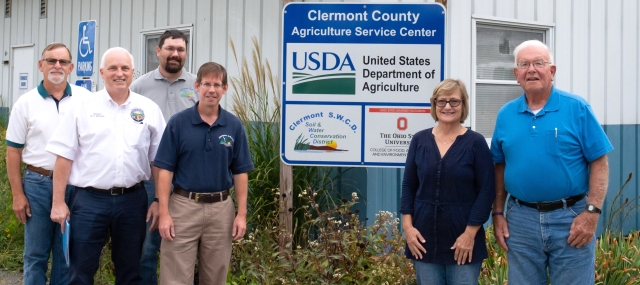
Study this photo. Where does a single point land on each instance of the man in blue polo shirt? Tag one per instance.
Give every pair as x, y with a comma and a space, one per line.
203, 152
549, 152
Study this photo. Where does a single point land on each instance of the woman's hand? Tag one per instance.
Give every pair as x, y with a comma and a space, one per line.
464, 245
415, 241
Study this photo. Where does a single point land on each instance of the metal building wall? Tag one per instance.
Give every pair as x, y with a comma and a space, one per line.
596, 46
120, 22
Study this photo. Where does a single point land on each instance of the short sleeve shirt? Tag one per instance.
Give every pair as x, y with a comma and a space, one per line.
171, 97
204, 157
110, 145
547, 154
34, 118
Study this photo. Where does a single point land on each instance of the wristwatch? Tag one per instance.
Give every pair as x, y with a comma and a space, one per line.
593, 209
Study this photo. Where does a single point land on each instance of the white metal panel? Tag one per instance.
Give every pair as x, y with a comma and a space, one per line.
629, 56
162, 12
203, 34
175, 12
597, 92
136, 39
483, 8
272, 23
525, 10
252, 23
504, 8
149, 9
580, 50
613, 63
188, 12
220, 33
562, 54
115, 22
544, 11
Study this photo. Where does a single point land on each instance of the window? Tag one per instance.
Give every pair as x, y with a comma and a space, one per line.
150, 40
494, 82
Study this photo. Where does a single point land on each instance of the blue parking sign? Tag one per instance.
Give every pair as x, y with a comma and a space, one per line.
86, 48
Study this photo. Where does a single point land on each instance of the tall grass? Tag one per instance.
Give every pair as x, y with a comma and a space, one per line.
256, 102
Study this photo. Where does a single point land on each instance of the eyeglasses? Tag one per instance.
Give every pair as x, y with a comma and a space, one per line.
52, 61
173, 49
452, 102
536, 63
216, 86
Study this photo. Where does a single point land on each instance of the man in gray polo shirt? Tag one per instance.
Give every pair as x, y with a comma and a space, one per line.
172, 88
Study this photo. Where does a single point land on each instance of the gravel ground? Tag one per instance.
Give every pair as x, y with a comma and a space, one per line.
10, 277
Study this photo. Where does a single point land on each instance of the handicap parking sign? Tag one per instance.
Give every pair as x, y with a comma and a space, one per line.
86, 48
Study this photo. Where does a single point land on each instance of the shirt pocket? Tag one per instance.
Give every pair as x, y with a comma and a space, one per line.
138, 134
557, 141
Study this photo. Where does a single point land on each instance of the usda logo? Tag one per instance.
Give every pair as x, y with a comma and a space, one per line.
323, 73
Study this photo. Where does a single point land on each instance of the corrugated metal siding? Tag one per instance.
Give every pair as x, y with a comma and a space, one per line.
596, 46
120, 23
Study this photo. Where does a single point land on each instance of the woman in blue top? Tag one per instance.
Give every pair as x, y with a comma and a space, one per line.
447, 192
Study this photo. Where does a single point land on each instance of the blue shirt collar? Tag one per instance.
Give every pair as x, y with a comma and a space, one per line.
44, 93
196, 119
552, 105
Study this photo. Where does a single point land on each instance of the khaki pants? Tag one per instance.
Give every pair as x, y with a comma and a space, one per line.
199, 227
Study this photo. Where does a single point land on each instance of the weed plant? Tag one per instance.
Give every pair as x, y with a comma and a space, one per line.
339, 248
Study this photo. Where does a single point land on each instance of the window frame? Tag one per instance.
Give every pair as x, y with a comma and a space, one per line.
548, 35
159, 31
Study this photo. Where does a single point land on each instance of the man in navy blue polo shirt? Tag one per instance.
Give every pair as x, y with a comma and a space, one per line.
549, 151
203, 152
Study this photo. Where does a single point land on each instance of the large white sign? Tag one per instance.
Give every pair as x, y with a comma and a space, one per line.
358, 79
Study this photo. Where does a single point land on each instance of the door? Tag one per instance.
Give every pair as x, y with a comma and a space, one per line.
23, 69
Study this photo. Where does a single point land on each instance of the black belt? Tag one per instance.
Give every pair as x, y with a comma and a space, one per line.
40, 170
211, 197
116, 190
553, 205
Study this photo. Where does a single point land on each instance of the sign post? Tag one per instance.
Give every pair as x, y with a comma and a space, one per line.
357, 81
86, 48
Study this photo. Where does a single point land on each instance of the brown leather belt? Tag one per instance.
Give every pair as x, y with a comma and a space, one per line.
116, 190
553, 205
40, 170
211, 197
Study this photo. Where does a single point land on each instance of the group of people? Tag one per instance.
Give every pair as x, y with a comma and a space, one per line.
543, 179
107, 164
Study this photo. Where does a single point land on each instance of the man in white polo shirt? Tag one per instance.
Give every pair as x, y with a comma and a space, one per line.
34, 118
105, 148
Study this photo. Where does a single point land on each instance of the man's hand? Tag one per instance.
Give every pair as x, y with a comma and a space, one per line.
583, 229
60, 214
415, 241
239, 227
21, 208
501, 231
166, 227
152, 214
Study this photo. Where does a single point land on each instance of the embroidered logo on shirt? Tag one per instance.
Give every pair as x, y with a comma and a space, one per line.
96, 115
137, 115
187, 93
226, 140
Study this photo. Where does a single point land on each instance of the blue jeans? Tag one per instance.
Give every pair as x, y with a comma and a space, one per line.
149, 260
94, 216
538, 240
41, 235
440, 274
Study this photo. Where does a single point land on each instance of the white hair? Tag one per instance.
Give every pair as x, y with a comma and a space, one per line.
531, 43
115, 49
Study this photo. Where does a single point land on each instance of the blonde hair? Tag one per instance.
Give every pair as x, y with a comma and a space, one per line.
448, 87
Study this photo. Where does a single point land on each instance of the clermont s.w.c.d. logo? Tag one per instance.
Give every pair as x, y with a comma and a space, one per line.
137, 115
226, 140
